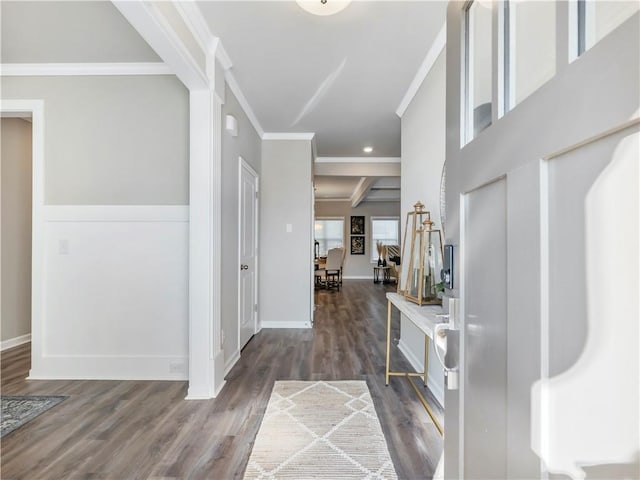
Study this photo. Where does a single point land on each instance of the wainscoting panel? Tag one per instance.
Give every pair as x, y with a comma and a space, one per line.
115, 293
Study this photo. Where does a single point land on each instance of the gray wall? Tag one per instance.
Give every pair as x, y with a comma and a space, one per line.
248, 146
15, 174
358, 265
286, 258
423, 156
113, 140
591, 95
69, 32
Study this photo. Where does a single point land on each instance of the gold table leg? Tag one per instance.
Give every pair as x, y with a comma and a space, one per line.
408, 375
426, 406
426, 359
386, 374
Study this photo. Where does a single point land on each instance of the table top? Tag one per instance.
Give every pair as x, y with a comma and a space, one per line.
423, 317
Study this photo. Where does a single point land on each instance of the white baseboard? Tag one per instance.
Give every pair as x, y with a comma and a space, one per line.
14, 342
357, 277
229, 364
109, 367
417, 365
281, 324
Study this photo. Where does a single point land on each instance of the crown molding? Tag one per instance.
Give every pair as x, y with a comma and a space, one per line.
235, 89
427, 64
222, 55
322, 199
288, 136
83, 69
154, 27
358, 160
193, 18
212, 45
195, 22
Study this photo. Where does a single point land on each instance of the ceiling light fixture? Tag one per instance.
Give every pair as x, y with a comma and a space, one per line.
367, 149
323, 7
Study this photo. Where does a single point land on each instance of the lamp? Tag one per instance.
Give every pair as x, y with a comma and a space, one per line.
323, 7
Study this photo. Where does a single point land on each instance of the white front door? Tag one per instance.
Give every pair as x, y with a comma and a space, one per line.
248, 247
485, 330
542, 211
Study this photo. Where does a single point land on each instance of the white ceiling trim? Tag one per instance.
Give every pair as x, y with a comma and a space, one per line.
156, 31
288, 136
358, 160
427, 64
80, 69
222, 55
362, 190
192, 17
211, 44
321, 199
235, 88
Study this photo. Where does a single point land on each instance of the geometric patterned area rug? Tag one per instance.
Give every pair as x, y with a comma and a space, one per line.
16, 411
320, 430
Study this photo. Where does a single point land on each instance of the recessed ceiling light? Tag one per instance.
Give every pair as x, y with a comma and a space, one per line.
323, 7
367, 149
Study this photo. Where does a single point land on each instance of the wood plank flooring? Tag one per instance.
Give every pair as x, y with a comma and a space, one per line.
146, 430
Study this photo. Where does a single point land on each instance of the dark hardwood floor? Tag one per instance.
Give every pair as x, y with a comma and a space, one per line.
146, 430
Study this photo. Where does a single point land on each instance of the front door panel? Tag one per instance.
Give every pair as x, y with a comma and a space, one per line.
485, 332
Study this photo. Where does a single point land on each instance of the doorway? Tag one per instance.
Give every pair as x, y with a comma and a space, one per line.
16, 180
30, 221
247, 253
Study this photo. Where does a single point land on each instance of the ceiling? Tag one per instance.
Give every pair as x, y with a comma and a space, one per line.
341, 76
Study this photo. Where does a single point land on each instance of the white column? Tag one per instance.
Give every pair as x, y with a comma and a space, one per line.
206, 362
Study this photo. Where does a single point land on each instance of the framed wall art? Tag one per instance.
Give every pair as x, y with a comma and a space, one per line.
357, 244
357, 225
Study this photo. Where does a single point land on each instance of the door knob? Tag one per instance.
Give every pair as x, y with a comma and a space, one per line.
244, 267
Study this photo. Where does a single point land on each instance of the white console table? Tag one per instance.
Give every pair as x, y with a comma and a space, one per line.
424, 317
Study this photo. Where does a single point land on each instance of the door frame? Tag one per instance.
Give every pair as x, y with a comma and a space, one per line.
242, 164
36, 109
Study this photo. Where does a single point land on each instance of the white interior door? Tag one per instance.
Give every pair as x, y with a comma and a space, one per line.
247, 291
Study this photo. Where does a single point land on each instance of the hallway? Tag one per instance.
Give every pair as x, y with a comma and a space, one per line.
136, 429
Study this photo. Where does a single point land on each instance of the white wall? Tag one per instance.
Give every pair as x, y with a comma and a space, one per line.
423, 155
247, 145
113, 140
115, 227
116, 293
358, 266
15, 174
286, 258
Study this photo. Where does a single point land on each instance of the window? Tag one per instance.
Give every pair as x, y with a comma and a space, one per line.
329, 233
478, 67
385, 230
596, 19
529, 48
